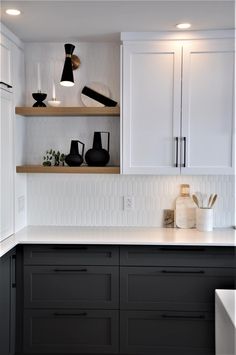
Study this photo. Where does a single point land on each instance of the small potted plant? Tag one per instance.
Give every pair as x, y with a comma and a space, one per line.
54, 158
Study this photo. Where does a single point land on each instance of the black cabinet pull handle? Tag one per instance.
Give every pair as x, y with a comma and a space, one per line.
70, 270
73, 247
70, 314
184, 163
176, 151
186, 249
183, 272
7, 85
13, 271
175, 316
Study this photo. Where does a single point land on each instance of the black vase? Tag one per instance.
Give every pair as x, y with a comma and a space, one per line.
74, 158
39, 98
97, 156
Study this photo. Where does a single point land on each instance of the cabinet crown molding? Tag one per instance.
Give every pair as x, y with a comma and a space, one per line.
177, 35
11, 36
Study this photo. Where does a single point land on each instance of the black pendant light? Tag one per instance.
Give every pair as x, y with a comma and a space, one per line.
67, 78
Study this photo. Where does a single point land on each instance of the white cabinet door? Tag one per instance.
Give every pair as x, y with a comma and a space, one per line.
151, 107
6, 146
207, 107
5, 67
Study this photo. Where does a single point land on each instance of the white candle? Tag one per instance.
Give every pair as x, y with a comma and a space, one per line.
39, 77
53, 91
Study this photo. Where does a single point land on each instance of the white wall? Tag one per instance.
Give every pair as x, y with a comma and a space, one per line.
100, 62
97, 199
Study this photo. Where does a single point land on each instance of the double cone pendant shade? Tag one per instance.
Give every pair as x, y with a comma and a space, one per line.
67, 78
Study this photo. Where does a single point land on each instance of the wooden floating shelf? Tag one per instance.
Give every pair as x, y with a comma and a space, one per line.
39, 169
68, 111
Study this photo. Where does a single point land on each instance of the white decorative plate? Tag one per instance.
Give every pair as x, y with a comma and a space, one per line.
98, 87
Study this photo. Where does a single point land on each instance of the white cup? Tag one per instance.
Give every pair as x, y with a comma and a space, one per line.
204, 219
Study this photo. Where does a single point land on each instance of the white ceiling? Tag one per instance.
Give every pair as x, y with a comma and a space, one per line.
103, 20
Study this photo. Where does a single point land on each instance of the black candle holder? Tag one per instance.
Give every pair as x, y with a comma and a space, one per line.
39, 98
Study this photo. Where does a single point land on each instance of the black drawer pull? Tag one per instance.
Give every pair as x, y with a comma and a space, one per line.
7, 85
176, 151
181, 249
70, 314
175, 316
73, 247
70, 270
184, 163
182, 272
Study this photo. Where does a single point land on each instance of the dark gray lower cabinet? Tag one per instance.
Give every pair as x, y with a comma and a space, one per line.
167, 333
71, 287
71, 331
71, 255
120, 300
192, 256
7, 304
173, 288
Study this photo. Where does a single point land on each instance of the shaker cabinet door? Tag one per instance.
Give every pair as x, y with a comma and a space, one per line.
172, 288
71, 255
151, 108
5, 67
167, 333
68, 287
78, 331
207, 109
7, 304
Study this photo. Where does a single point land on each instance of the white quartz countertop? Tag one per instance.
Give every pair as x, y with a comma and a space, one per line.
227, 298
118, 236
225, 322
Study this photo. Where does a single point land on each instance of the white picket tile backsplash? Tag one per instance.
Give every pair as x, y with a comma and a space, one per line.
97, 200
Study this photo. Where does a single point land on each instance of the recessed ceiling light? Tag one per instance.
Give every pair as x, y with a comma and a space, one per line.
13, 12
183, 26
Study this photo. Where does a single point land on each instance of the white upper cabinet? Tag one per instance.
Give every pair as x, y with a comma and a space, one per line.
11, 92
207, 106
5, 67
177, 107
6, 142
151, 107
6, 160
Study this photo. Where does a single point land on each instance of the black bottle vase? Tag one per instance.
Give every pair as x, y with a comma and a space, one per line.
74, 158
97, 156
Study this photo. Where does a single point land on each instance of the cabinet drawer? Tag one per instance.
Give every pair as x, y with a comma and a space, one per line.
77, 286
172, 288
75, 331
178, 256
166, 333
71, 255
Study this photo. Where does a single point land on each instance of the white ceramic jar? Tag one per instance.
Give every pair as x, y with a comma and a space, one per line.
204, 219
